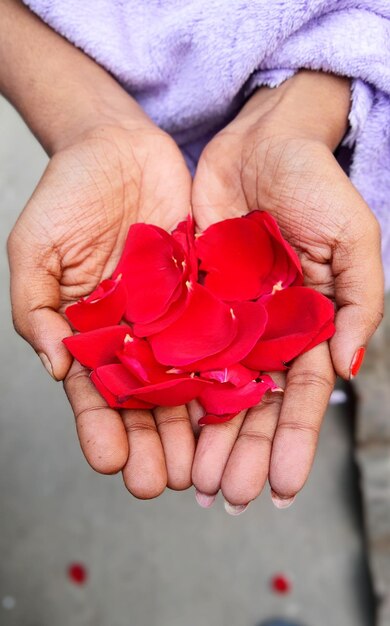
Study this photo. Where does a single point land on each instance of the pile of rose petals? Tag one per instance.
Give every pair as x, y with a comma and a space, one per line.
203, 316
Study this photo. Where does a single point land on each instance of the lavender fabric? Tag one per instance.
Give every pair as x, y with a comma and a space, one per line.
192, 63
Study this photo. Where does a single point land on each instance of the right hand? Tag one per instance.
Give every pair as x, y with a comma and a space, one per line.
277, 155
68, 238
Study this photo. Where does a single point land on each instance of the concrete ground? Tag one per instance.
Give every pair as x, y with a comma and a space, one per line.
165, 562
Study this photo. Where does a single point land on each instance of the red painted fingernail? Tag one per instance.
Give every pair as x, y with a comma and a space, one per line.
357, 361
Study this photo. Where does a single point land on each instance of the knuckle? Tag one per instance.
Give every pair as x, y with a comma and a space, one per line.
89, 411
168, 420
74, 378
139, 426
309, 378
230, 428
171, 417
256, 437
270, 399
301, 427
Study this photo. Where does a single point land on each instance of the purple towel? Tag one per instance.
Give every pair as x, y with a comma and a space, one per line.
191, 64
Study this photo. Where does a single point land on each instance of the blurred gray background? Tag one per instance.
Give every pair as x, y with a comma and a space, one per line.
164, 562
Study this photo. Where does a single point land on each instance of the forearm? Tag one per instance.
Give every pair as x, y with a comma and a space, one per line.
314, 105
60, 92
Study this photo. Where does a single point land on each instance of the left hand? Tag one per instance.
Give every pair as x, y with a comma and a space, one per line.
276, 155
70, 237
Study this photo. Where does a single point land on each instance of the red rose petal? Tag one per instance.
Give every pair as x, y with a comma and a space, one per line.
286, 270
138, 358
325, 333
206, 327
280, 584
77, 573
184, 233
124, 386
236, 255
112, 400
97, 347
152, 268
216, 419
237, 375
221, 399
173, 393
104, 307
251, 321
118, 380
175, 310
298, 319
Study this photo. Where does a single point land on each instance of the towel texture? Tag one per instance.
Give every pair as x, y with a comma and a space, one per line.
192, 63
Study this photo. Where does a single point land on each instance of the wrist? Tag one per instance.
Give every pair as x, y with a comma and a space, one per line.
90, 114
61, 93
311, 105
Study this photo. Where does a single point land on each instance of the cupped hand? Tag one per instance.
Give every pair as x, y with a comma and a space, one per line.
70, 237
277, 156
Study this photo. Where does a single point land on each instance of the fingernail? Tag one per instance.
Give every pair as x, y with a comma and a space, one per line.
281, 503
46, 364
204, 500
357, 361
235, 509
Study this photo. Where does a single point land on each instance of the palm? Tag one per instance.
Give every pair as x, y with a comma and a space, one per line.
281, 176
284, 178
92, 192
69, 237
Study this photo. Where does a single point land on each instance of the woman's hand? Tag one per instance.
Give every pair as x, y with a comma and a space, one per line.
277, 156
68, 238
110, 167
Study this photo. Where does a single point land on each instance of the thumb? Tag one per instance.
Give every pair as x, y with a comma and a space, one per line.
35, 297
359, 293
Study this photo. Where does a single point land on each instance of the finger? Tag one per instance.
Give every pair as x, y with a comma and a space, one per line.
145, 473
178, 441
195, 412
212, 452
100, 429
217, 191
247, 468
359, 293
168, 199
309, 384
35, 297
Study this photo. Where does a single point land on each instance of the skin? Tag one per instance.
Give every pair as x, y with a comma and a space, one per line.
277, 155
110, 167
